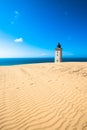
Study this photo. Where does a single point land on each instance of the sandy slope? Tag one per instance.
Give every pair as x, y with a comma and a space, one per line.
47, 96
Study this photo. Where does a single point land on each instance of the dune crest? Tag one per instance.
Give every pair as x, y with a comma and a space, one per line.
50, 96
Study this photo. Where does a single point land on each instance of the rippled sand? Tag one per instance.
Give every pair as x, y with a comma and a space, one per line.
50, 96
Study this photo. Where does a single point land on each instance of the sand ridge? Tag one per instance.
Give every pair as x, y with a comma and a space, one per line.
49, 96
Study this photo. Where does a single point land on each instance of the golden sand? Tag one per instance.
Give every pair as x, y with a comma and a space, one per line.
50, 96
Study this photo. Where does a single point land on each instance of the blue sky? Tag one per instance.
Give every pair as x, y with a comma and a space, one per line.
32, 28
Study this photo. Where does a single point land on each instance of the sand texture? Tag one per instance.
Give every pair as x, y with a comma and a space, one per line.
50, 96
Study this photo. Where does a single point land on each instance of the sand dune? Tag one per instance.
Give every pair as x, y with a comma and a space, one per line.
50, 96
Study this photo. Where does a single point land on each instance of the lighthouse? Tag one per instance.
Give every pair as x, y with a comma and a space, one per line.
58, 53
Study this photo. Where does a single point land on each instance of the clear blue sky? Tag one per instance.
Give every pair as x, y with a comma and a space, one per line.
32, 28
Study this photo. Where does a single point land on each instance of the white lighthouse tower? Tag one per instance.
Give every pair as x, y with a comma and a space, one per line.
58, 53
